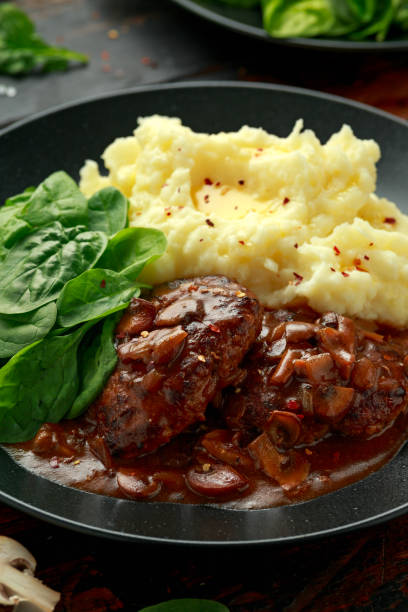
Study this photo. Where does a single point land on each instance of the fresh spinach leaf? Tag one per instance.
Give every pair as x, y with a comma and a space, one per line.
39, 385
293, 18
96, 359
18, 331
11, 227
107, 211
401, 15
380, 23
19, 198
37, 267
187, 605
92, 294
22, 50
58, 198
131, 249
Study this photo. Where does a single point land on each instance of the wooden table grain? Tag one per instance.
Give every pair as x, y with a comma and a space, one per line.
136, 42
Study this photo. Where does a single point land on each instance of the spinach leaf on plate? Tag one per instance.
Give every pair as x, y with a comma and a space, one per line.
19, 198
18, 331
107, 211
38, 385
21, 48
58, 198
37, 267
131, 249
92, 294
12, 228
293, 18
96, 359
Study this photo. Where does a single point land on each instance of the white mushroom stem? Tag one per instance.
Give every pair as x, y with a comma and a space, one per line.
17, 583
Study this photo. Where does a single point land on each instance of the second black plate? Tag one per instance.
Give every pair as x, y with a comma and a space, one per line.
249, 21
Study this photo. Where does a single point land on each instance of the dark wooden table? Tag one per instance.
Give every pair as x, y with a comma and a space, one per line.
134, 42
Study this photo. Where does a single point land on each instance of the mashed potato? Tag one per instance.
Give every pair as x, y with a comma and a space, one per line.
287, 217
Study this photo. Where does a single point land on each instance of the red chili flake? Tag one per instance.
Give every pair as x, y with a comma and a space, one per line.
103, 283
209, 222
206, 198
286, 201
168, 214
241, 242
366, 257
300, 416
357, 262
214, 328
345, 274
336, 250
390, 220
217, 184
105, 55
54, 462
208, 181
336, 456
201, 240
332, 269
292, 404
241, 182
260, 149
371, 244
360, 269
296, 245
298, 277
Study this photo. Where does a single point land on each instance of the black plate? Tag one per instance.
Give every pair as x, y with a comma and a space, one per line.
249, 22
64, 138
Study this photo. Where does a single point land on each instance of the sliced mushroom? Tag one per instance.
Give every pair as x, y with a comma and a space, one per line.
159, 346
331, 403
284, 369
136, 486
219, 444
283, 428
340, 343
364, 374
316, 368
298, 331
17, 582
137, 318
288, 469
216, 480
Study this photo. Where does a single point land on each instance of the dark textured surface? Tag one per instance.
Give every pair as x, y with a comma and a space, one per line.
365, 571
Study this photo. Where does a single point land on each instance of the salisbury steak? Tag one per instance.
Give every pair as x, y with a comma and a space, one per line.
176, 352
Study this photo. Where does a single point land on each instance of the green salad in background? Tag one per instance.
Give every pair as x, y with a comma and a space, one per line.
68, 266
349, 19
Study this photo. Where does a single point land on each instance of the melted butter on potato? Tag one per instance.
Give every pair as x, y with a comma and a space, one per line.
226, 201
288, 217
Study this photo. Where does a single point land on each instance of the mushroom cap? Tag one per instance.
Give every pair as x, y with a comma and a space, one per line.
15, 554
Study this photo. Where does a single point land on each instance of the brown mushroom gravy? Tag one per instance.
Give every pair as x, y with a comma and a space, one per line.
215, 400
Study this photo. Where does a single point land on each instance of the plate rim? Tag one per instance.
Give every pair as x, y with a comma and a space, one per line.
317, 44
199, 84
79, 525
